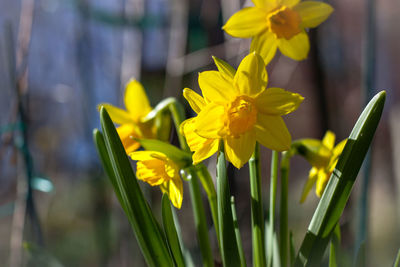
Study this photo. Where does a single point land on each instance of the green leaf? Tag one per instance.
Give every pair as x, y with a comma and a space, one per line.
257, 216
182, 158
237, 233
170, 231
146, 229
200, 219
339, 187
360, 258
227, 239
335, 247
397, 260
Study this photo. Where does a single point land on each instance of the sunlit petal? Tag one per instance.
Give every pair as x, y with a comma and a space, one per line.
322, 180
225, 70
206, 150
296, 48
126, 133
175, 192
136, 101
246, 23
265, 44
117, 115
289, 3
251, 76
239, 150
209, 122
313, 13
272, 132
329, 140
312, 178
215, 88
276, 101
195, 100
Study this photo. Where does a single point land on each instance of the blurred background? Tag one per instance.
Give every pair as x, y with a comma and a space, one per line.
60, 58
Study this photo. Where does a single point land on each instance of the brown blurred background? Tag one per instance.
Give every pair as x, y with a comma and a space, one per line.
74, 54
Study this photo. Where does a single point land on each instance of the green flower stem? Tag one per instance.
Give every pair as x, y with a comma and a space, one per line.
257, 217
283, 220
237, 233
228, 245
272, 202
335, 246
178, 116
200, 220
208, 185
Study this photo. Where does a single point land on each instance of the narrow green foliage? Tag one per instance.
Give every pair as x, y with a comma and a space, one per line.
283, 220
257, 216
200, 220
227, 239
147, 230
208, 186
335, 247
170, 231
292, 249
360, 257
237, 232
339, 187
397, 260
272, 204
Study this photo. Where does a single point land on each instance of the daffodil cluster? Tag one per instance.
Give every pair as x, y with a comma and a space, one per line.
238, 109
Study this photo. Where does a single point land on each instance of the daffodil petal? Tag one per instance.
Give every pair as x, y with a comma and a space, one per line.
276, 101
322, 180
239, 150
136, 101
313, 13
266, 5
272, 132
251, 76
296, 48
265, 44
126, 132
339, 148
289, 3
329, 140
195, 100
312, 178
226, 70
214, 87
246, 23
209, 122
117, 115
175, 192
206, 150
147, 155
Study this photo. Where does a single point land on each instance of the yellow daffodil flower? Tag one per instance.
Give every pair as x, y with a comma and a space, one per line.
238, 109
130, 120
155, 168
323, 163
274, 24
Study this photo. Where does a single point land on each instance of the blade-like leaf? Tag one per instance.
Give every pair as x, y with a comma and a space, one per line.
146, 229
170, 231
227, 239
179, 156
339, 187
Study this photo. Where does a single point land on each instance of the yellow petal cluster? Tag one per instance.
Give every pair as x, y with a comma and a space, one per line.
278, 24
320, 173
156, 169
237, 108
130, 120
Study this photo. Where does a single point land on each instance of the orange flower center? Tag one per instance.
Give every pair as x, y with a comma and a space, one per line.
241, 115
284, 23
